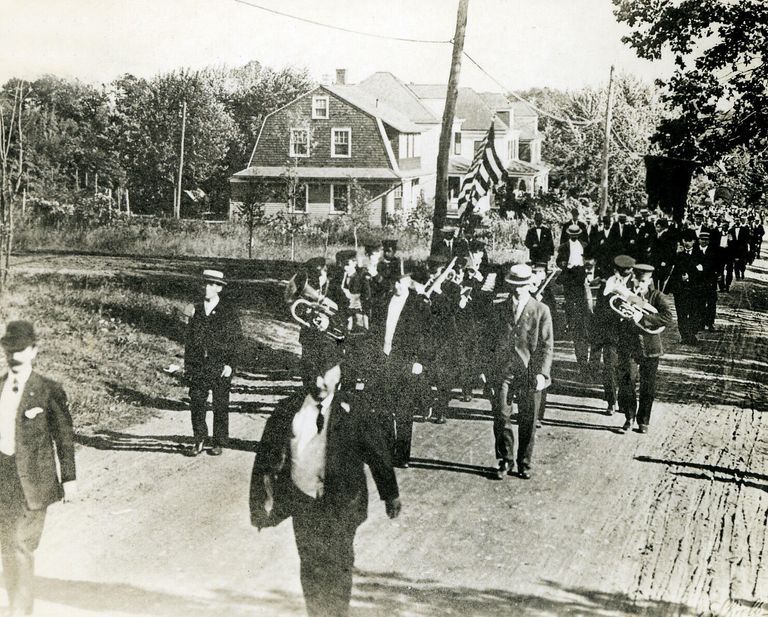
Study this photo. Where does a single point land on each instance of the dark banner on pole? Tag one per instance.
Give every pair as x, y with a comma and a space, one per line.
667, 181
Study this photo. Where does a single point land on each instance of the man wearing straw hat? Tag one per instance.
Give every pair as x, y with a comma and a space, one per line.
212, 346
521, 353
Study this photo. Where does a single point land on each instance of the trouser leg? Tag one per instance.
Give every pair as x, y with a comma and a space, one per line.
542, 406
197, 400
221, 411
627, 370
503, 427
610, 380
325, 545
529, 401
648, 370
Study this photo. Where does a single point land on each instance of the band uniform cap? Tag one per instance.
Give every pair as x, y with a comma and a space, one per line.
343, 256
573, 230
389, 243
214, 276
519, 274
18, 336
639, 268
704, 235
624, 261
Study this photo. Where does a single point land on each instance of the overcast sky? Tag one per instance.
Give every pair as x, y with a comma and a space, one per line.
522, 43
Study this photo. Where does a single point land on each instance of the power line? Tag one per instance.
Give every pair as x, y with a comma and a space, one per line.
520, 98
341, 29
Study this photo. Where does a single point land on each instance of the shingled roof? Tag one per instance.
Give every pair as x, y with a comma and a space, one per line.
387, 87
374, 106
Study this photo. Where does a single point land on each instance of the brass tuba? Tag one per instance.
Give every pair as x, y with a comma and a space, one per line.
629, 305
312, 309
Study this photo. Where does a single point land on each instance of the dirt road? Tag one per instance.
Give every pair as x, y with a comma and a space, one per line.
674, 522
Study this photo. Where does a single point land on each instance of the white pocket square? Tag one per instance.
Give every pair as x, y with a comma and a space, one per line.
33, 413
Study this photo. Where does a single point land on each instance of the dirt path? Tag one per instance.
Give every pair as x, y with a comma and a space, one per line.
669, 523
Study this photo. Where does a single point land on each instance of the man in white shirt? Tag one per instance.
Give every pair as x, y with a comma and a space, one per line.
36, 436
311, 466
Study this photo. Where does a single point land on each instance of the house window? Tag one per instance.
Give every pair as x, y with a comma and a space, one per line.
319, 107
457, 143
319, 194
526, 151
299, 143
398, 197
300, 198
340, 197
454, 186
407, 146
341, 143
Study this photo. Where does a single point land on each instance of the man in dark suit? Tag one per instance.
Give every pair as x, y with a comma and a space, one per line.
539, 241
520, 354
575, 220
311, 466
708, 255
399, 347
639, 351
740, 240
685, 285
212, 347
598, 247
623, 238
36, 436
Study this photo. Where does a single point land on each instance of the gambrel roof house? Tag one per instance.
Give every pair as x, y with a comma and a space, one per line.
381, 134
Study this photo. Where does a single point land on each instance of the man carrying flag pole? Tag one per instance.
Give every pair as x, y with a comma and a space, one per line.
486, 171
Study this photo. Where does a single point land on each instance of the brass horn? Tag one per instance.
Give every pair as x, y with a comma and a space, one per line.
629, 306
313, 310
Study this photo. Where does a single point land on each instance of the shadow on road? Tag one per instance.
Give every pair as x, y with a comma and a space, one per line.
392, 594
163, 444
434, 464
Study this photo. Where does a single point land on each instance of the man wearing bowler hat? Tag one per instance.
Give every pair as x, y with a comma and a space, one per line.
521, 350
213, 343
36, 436
311, 467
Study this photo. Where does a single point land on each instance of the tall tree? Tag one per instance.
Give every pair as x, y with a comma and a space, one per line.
717, 92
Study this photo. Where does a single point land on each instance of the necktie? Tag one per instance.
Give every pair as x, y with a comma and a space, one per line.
320, 418
15, 384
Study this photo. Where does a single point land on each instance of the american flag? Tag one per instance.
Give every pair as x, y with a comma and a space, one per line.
486, 171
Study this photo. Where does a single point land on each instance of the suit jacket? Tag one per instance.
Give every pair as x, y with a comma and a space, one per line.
41, 440
626, 243
409, 343
212, 341
540, 249
355, 438
571, 278
524, 349
636, 342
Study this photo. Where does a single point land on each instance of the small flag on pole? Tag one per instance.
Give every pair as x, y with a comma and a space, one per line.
486, 172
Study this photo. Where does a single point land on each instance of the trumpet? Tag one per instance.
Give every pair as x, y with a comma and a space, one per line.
631, 306
313, 310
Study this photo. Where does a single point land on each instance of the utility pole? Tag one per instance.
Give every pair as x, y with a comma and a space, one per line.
606, 142
177, 201
446, 132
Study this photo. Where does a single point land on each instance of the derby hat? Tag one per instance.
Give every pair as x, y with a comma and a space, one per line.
18, 335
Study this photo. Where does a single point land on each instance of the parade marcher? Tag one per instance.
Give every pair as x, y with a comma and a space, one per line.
574, 220
639, 352
622, 239
538, 240
390, 264
740, 242
474, 303
605, 328
756, 238
212, 348
684, 283
310, 466
546, 296
726, 253
708, 281
37, 460
664, 250
646, 236
520, 354
375, 286
398, 349
598, 246
570, 259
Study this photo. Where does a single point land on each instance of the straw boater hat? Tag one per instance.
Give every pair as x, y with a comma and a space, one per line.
519, 274
214, 276
573, 231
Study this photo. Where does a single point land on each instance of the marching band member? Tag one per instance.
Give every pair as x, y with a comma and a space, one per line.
639, 351
606, 326
684, 282
520, 354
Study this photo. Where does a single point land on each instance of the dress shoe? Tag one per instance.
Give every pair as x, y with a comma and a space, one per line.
439, 419
467, 398
401, 465
525, 474
610, 410
502, 470
642, 428
215, 451
626, 427
197, 448
538, 424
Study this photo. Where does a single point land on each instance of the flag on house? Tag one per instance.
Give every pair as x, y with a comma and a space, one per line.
485, 172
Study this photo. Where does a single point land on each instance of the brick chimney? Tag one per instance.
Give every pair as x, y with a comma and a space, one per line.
341, 77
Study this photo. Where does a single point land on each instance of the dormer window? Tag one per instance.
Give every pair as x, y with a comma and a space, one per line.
320, 108
299, 147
